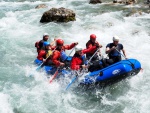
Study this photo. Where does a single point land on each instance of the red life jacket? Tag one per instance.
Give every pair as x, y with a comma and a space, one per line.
76, 62
41, 55
56, 57
90, 44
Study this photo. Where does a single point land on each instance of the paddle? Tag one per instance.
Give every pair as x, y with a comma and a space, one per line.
93, 56
56, 73
54, 76
120, 53
39, 67
43, 62
74, 78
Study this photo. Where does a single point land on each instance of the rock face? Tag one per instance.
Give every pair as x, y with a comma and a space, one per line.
95, 1
58, 15
41, 6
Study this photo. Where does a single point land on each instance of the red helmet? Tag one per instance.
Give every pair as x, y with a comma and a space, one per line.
92, 36
59, 42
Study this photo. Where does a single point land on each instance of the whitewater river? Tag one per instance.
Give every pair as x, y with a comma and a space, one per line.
20, 29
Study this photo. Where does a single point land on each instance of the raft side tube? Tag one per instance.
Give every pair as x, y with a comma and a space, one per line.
116, 70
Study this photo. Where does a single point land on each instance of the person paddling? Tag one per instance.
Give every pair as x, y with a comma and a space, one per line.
92, 42
113, 49
45, 52
39, 44
59, 56
78, 60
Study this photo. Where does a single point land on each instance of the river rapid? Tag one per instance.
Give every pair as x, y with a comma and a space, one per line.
20, 29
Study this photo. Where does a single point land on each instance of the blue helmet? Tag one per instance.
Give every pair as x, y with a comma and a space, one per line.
46, 43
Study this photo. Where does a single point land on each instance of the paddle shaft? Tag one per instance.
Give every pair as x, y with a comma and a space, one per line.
54, 76
120, 53
93, 55
125, 58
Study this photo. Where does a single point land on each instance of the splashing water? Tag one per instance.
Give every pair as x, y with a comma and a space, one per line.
20, 29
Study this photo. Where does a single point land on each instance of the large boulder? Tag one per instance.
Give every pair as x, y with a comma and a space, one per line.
41, 6
95, 1
58, 15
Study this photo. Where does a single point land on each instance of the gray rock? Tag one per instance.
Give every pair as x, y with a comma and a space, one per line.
58, 15
95, 1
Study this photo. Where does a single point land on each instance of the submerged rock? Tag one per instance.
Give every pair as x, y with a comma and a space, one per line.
135, 13
95, 1
41, 6
58, 15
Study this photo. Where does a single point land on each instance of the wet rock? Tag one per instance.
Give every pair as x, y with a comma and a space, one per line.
118, 1
135, 13
127, 2
147, 2
95, 1
41, 6
58, 15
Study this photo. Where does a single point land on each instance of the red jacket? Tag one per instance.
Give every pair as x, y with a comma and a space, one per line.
41, 55
77, 60
89, 44
57, 54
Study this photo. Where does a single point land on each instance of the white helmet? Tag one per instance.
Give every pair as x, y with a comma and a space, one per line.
45, 34
78, 48
115, 38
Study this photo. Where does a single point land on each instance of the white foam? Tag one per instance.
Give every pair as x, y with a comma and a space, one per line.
5, 106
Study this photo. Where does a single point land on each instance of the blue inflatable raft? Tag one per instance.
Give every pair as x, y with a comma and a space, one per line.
105, 76
113, 73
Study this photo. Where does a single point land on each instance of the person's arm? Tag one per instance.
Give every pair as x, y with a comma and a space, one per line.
98, 45
53, 42
108, 49
41, 55
68, 47
124, 53
84, 51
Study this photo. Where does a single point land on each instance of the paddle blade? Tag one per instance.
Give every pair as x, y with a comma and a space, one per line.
39, 67
71, 82
54, 76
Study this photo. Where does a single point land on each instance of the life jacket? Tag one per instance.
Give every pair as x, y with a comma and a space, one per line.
41, 55
49, 53
88, 44
63, 56
39, 44
77, 61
